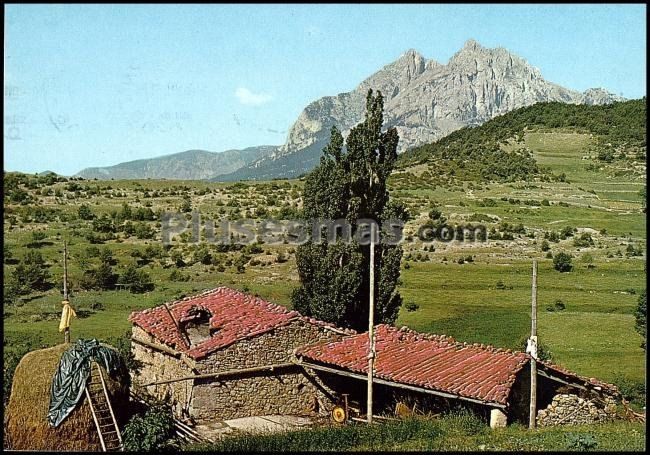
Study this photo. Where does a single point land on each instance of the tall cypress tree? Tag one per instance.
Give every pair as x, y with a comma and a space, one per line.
350, 183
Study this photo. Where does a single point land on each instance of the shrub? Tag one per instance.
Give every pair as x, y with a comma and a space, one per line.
177, 275
562, 262
567, 231
143, 230
583, 241
203, 256
31, 274
139, 280
101, 277
559, 305
411, 306
85, 213
580, 442
632, 390
545, 245
150, 431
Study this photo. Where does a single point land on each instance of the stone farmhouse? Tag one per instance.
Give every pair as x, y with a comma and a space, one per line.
225, 354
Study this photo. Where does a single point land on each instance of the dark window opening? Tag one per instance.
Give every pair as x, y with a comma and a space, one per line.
197, 325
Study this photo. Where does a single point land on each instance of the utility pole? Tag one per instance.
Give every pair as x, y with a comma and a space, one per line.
65, 270
532, 350
371, 321
67, 312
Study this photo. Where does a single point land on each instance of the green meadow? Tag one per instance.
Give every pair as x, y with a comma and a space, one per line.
484, 299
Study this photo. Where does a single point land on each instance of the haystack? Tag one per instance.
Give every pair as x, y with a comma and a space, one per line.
27, 427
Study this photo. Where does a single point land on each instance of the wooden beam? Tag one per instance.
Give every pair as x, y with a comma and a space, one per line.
399, 385
554, 378
158, 347
178, 326
221, 374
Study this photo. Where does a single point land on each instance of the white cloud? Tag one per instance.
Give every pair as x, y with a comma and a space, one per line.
249, 98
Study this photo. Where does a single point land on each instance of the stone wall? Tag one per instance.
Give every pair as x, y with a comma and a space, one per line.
284, 391
273, 347
570, 409
160, 366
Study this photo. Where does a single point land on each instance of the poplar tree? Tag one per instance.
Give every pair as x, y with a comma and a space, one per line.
351, 183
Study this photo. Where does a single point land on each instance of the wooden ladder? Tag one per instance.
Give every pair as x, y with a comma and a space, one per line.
100, 407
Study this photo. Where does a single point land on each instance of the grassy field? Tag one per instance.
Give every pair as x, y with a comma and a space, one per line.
449, 433
486, 300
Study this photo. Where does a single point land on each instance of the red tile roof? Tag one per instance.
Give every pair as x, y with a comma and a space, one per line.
570, 376
430, 361
437, 362
235, 316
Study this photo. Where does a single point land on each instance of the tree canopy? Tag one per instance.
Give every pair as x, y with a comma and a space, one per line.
350, 184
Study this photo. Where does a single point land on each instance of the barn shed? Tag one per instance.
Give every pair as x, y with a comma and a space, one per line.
436, 373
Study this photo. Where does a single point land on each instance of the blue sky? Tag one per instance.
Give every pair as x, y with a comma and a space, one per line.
95, 85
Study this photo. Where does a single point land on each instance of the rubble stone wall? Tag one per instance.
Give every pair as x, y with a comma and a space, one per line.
160, 366
286, 390
570, 409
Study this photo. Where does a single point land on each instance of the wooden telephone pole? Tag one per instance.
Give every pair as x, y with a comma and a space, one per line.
65, 270
66, 333
371, 322
532, 348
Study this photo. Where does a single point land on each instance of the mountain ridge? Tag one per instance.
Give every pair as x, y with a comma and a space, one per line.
424, 99
194, 164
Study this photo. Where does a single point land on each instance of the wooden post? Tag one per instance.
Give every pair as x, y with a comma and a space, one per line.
65, 270
66, 332
533, 353
371, 322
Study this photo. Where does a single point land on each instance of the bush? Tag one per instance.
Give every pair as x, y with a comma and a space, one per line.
584, 241
631, 389
31, 274
411, 306
139, 280
101, 277
567, 231
123, 345
150, 431
559, 305
85, 213
562, 262
142, 230
177, 275
580, 442
545, 245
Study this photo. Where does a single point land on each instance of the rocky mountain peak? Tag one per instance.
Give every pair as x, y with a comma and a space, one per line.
424, 100
471, 45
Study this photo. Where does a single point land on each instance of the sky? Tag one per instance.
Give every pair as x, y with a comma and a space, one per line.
96, 85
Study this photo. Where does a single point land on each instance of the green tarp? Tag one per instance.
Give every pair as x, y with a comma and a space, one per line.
72, 373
